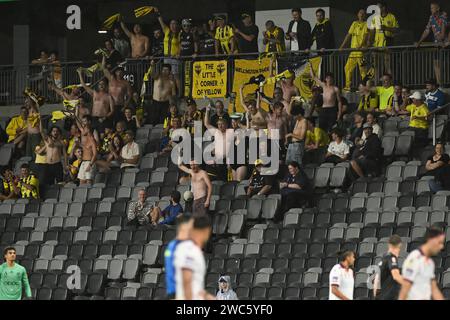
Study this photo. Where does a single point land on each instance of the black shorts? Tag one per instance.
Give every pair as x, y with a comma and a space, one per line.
100, 124
367, 165
53, 173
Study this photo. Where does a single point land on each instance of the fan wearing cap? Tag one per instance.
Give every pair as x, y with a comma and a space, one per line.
188, 40
434, 97
273, 38
191, 115
260, 184
247, 35
369, 154
224, 37
225, 290
418, 118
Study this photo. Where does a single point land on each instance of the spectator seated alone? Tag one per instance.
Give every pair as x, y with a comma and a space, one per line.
437, 161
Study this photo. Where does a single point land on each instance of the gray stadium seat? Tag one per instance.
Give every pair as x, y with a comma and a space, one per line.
151, 253
66, 194
61, 209
115, 269
56, 223
388, 144
322, 176
337, 176
394, 171
27, 224
254, 207
46, 210
37, 237
130, 269
403, 145
269, 208
95, 193
236, 223
80, 195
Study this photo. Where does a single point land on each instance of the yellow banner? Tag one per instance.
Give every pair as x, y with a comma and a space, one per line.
209, 78
243, 71
303, 80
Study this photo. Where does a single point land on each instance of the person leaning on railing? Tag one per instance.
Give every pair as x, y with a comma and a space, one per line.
225, 41
273, 38
382, 32
437, 24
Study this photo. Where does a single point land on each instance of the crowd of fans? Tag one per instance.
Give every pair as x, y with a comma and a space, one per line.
325, 129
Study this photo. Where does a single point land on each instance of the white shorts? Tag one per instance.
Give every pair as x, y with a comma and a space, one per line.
86, 175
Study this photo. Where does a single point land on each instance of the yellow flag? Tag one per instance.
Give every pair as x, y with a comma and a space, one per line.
243, 70
108, 23
143, 11
303, 80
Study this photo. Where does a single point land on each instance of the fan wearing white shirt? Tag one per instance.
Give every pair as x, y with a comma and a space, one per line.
338, 150
190, 266
341, 278
418, 269
129, 156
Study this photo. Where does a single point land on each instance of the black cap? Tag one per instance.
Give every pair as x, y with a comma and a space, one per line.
245, 15
219, 17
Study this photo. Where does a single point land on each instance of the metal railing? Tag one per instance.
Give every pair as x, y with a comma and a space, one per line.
409, 65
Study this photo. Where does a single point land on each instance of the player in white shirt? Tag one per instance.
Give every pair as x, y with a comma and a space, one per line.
418, 269
190, 266
341, 278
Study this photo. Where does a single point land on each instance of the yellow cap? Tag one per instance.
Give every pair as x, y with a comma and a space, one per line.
258, 162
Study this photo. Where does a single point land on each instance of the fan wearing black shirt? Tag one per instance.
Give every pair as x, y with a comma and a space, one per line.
260, 184
220, 114
188, 41
157, 43
247, 35
389, 280
206, 40
370, 154
295, 190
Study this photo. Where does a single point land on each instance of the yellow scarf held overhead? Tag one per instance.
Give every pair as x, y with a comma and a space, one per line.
278, 77
143, 11
108, 23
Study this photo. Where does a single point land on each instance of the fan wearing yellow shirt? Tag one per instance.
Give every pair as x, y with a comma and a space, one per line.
224, 37
17, 129
316, 139
382, 29
418, 118
368, 98
358, 33
385, 94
